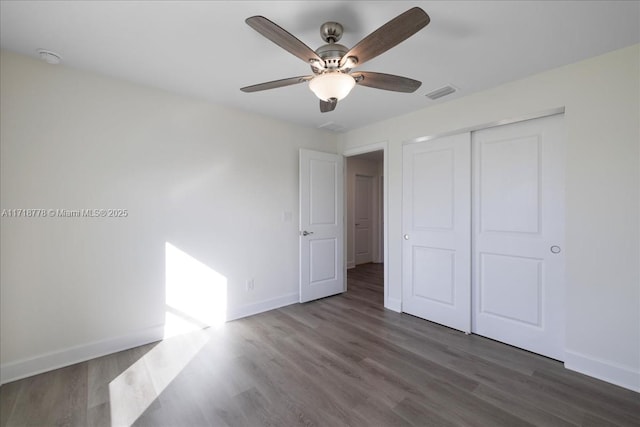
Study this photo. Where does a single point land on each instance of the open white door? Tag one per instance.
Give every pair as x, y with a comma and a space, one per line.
321, 225
436, 252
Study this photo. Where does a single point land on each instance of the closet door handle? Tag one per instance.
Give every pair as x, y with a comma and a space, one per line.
555, 249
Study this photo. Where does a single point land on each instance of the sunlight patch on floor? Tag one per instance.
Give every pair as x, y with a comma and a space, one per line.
196, 299
135, 389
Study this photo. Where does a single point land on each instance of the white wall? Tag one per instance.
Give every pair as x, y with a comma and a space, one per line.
601, 100
211, 181
364, 167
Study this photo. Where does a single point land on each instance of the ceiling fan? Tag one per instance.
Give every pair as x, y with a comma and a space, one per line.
332, 63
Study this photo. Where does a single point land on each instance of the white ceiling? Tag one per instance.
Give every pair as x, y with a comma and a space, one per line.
205, 49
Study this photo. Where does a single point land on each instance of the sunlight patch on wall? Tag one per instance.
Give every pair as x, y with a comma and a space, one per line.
196, 295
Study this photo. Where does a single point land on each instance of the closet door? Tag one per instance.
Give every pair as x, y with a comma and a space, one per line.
518, 235
436, 226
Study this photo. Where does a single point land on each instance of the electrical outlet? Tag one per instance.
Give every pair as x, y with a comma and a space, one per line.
250, 284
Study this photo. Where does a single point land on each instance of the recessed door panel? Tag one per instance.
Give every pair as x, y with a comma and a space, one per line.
363, 217
432, 200
323, 253
322, 198
434, 274
511, 288
509, 184
363, 241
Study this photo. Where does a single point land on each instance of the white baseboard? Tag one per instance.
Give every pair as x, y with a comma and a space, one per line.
603, 370
393, 304
58, 359
262, 306
351, 264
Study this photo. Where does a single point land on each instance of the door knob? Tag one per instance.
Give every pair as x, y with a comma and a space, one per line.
306, 233
555, 249
406, 237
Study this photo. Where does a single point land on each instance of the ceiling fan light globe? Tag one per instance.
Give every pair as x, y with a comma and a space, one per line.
332, 85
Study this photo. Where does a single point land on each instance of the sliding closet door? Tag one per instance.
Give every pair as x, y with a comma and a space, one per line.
518, 235
436, 226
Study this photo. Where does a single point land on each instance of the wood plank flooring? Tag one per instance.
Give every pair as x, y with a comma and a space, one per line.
343, 360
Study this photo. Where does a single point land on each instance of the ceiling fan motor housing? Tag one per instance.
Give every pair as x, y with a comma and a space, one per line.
331, 54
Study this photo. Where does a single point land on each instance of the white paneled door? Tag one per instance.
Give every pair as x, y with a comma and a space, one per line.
483, 240
321, 225
518, 235
436, 225
363, 224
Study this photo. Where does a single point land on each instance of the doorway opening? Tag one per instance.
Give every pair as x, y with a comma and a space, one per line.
365, 208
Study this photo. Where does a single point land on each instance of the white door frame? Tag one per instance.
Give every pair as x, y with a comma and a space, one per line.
390, 303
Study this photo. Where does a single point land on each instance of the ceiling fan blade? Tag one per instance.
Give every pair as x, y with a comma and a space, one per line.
276, 84
389, 35
326, 106
282, 38
386, 81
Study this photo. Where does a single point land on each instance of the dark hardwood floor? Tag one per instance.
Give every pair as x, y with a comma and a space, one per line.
343, 360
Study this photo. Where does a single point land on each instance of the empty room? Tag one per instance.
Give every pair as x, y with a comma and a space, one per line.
319, 213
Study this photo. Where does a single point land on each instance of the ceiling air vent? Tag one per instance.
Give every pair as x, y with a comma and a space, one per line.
332, 127
439, 93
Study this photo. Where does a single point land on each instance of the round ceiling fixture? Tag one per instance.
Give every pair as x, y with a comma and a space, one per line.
49, 57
